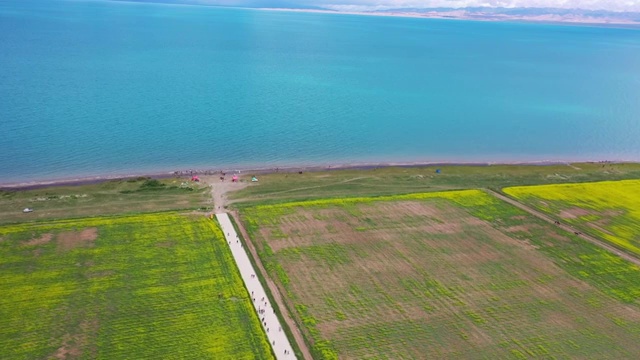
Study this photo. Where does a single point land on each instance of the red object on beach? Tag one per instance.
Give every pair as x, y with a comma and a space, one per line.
234, 178
195, 178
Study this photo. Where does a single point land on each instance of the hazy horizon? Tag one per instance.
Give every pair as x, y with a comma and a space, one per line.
632, 6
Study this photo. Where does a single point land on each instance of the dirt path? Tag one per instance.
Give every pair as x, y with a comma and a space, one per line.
565, 227
297, 335
219, 190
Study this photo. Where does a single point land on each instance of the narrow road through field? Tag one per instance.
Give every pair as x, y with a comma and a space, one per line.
280, 301
266, 313
563, 226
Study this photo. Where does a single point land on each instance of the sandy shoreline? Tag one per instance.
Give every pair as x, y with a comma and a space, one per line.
74, 181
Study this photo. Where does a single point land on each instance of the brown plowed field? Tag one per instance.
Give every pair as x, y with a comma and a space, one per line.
454, 277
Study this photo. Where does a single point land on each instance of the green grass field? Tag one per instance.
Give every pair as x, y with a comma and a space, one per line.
106, 198
609, 210
444, 275
155, 286
282, 187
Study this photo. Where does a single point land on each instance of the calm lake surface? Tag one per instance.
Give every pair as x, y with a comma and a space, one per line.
96, 87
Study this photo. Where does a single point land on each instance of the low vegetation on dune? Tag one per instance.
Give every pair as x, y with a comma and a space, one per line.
155, 286
449, 274
609, 210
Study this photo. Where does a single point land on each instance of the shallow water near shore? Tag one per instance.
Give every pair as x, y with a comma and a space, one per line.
93, 87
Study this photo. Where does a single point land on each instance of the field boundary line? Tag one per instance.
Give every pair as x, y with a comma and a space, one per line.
600, 243
285, 310
277, 338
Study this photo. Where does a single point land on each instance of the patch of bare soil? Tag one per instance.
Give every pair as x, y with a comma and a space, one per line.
303, 229
573, 213
518, 228
308, 227
43, 239
220, 189
72, 345
71, 239
194, 215
166, 244
100, 274
626, 312
67, 351
447, 228
422, 262
561, 320
403, 208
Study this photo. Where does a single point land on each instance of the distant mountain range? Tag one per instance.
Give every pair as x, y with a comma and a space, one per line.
525, 14
471, 13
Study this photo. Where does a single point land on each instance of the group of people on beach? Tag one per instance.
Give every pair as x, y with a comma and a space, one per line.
223, 173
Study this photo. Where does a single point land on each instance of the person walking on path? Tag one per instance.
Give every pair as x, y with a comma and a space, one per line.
248, 274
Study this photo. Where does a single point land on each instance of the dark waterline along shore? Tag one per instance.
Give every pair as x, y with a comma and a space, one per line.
74, 181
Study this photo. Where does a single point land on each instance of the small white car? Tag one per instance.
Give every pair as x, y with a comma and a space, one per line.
27, 210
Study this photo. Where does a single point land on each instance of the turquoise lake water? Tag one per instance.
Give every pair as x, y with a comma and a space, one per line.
93, 87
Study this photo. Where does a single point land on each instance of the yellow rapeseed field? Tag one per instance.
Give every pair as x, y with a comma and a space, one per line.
154, 286
609, 209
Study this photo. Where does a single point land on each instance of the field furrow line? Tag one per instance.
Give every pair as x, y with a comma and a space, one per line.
565, 227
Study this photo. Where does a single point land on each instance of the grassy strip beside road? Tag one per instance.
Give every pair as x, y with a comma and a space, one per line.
282, 187
106, 198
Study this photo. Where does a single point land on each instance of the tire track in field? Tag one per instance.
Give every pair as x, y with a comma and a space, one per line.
564, 226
